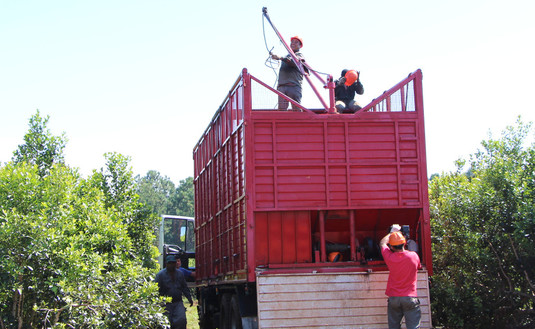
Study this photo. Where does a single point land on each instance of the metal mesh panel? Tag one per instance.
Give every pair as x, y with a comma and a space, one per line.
262, 97
402, 100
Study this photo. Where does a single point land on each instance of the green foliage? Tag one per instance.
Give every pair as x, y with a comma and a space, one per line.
40, 146
156, 191
119, 187
75, 253
184, 198
160, 195
483, 224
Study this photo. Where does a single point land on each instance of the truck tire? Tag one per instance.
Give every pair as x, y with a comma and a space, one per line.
235, 317
206, 322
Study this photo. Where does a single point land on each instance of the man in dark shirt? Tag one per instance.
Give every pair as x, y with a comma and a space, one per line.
345, 89
171, 283
290, 79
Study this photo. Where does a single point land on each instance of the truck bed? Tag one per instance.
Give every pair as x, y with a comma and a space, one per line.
280, 188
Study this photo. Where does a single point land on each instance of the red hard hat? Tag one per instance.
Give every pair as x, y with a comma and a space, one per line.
297, 38
396, 239
351, 77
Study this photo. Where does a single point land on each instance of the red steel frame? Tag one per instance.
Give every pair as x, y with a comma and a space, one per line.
246, 209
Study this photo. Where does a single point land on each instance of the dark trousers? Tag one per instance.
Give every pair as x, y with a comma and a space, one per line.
294, 92
176, 312
408, 307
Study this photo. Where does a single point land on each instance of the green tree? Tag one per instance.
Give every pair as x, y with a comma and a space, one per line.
156, 192
75, 253
40, 146
159, 193
483, 224
184, 199
117, 182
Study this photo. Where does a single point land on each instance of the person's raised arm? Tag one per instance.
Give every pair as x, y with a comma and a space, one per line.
384, 241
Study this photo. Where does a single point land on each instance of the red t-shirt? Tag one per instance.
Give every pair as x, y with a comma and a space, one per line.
403, 268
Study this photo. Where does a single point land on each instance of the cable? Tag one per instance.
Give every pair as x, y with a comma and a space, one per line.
271, 63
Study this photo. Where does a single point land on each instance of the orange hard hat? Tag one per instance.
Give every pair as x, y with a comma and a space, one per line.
334, 257
396, 239
298, 39
351, 77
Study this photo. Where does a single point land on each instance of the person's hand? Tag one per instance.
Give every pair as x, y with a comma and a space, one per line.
275, 57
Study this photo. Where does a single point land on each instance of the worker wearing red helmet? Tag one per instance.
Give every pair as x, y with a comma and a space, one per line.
401, 286
345, 89
290, 79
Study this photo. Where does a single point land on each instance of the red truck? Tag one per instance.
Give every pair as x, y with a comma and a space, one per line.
290, 207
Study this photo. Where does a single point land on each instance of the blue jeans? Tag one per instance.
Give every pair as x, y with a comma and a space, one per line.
404, 306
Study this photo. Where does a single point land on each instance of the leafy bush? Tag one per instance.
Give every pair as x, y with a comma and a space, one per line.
75, 253
483, 224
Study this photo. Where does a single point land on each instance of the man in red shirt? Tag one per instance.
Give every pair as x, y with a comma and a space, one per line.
401, 287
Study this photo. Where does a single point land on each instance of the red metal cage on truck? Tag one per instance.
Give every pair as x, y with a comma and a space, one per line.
276, 192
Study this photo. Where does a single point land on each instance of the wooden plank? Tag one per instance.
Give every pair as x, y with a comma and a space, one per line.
329, 300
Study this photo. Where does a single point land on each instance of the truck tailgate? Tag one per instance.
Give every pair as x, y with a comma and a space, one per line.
330, 300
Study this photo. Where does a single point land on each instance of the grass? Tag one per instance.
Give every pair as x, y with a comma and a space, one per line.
191, 314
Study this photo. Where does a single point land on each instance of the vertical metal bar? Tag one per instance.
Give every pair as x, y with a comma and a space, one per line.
331, 86
347, 162
322, 237
403, 101
352, 235
426, 228
398, 162
275, 164
326, 163
249, 175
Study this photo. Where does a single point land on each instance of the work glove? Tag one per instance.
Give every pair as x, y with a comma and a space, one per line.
394, 228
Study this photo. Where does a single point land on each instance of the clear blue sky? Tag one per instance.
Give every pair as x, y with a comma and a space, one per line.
144, 78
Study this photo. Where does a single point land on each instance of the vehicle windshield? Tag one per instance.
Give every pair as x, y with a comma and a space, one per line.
179, 231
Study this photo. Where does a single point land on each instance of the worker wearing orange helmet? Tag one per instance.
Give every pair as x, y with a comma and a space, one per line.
401, 286
345, 89
290, 79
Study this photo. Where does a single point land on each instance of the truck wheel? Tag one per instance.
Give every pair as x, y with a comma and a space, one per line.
205, 309
206, 322
235, 317
225, 312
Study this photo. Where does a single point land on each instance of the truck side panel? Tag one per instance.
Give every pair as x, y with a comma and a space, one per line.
338, 164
